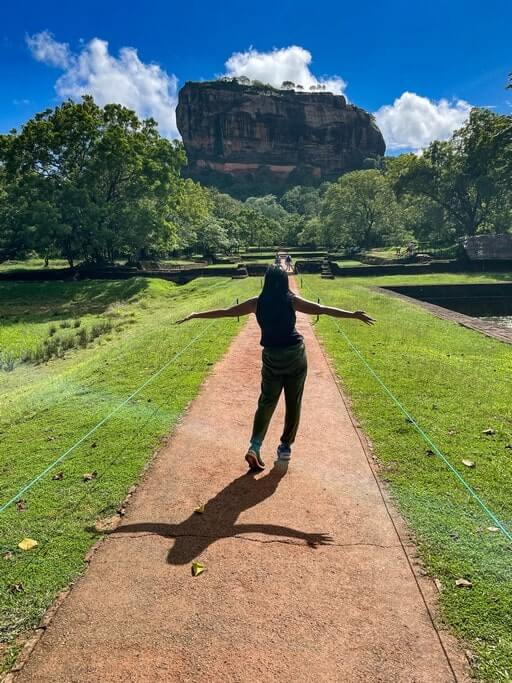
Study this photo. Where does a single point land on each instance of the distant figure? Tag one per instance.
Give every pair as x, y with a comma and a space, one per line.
277, 260
398, 251
284, 356
288, 263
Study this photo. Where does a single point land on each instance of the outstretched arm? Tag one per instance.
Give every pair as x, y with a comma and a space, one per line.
311, 308
244, 308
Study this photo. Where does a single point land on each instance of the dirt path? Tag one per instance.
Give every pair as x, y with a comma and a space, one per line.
276, 603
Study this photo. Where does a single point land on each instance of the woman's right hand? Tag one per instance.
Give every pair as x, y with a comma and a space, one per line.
190, 316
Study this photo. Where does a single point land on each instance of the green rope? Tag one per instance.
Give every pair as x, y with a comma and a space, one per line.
500, 525
164, 367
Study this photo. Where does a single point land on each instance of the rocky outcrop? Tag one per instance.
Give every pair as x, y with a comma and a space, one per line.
232, 131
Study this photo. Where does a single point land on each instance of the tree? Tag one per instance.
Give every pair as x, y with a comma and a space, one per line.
302, 200
268, 206
93, 182
359, 210
288, 85
469, 175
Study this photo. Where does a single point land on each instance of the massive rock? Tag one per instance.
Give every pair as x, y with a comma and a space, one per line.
252, 134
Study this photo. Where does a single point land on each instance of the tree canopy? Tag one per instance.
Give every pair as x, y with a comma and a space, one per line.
95, 184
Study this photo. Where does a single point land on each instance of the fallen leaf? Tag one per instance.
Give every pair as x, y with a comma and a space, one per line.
199, 509
58, 476
16, 588
463, 583
197, 568
89, 476
439, 585
94, 444
121, 511
468, 463
489, 432
429, 452
21, 505
493, 529
27, 544
8, 555
454, 535
106, 524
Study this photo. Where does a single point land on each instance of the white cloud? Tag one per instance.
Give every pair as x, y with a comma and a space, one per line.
46, 49
284, 64
146, 88
413, 122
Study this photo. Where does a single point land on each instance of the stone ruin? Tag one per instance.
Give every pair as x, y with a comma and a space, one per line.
488, 247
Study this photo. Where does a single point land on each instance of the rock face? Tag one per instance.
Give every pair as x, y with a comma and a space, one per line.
246, 133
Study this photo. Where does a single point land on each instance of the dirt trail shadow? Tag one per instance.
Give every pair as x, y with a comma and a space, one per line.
197, 532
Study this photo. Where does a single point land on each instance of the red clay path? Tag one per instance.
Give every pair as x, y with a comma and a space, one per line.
307, 577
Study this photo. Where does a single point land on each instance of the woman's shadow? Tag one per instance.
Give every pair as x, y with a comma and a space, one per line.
197, 532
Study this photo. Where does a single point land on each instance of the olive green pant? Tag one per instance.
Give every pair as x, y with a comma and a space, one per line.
286, 369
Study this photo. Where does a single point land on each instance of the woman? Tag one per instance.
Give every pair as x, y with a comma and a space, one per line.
284, 356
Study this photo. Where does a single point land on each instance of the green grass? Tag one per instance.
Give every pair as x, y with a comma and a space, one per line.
349, 263
456, 384
31, 264
45, 408
384, 252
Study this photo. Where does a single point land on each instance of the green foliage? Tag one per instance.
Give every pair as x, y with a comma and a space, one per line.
359, 210
467, 176
90, 182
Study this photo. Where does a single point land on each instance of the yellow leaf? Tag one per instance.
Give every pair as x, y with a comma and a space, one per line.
199, 509
27, 544
463, 583
197, 568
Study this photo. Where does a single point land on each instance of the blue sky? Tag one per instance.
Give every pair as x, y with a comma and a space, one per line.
445, 56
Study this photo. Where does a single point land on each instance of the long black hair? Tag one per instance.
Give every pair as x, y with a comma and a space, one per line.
276, 286
274, 308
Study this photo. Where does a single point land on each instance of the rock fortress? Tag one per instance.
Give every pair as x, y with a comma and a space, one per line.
234, 132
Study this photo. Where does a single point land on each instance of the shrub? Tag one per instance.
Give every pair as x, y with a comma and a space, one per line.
77, 323
7, 362
65, 323
82, 337
99, 328
52, 329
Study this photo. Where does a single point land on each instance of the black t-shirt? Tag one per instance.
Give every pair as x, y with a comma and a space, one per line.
277, 318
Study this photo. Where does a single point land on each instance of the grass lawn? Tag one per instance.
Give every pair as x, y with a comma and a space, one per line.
31, 264
45, 408
384, 252
349, 263
456, 383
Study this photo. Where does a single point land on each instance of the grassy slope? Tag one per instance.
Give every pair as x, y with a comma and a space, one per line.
45, 409
456, 383
31, 264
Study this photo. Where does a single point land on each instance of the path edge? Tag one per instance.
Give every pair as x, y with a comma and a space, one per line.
457, 652
34, 635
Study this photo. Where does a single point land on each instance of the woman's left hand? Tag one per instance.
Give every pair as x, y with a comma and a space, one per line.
363, 317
